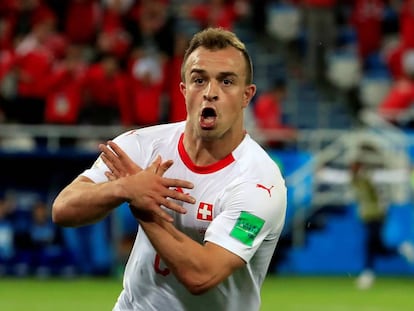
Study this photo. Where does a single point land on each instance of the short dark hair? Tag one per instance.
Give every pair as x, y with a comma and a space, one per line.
217, 39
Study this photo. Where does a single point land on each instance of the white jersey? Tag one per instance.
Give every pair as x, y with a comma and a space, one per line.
241, 205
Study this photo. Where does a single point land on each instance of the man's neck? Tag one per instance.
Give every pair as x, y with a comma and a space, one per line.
203, 152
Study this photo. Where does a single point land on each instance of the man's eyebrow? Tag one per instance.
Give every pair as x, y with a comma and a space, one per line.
227, 74
220, 75
195, 70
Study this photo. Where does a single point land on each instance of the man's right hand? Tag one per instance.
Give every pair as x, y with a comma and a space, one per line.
147, 189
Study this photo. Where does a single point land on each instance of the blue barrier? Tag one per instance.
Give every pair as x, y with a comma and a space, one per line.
300, 189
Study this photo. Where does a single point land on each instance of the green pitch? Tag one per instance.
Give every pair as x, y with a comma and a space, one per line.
279, 293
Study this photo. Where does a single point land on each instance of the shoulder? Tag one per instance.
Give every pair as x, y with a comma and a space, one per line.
147, 140
155, 129
255, 161
152, 133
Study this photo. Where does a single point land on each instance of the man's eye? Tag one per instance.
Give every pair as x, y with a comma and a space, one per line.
227, 82
198, 80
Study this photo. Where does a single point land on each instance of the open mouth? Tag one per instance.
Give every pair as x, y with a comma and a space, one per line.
208, 118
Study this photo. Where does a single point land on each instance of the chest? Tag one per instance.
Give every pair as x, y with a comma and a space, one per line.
210, 192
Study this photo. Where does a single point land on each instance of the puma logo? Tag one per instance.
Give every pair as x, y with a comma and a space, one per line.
265, 188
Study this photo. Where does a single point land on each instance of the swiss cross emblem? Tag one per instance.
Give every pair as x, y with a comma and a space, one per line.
205, 211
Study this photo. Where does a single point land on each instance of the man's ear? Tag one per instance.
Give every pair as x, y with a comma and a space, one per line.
249, 92
183, 88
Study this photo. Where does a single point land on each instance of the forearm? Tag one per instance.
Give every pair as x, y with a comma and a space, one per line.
83, 202
174, 248
188, 260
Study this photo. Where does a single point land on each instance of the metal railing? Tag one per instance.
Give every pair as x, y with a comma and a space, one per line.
327, 146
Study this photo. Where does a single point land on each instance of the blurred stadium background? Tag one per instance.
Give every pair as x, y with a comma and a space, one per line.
321, 250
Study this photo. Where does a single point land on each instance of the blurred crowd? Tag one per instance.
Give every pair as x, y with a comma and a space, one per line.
99, 62
29, 242
32, 245
118, 61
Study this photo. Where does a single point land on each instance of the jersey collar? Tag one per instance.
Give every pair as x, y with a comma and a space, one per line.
202, 169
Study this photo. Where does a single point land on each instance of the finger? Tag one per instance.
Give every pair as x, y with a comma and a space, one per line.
108, 152
110, 158
110, 176
164, 215
172, 182
174, 194
123, 160
110, 165
117, 150
164, 167
171, 205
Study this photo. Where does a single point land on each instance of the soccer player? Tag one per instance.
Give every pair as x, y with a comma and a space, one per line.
210, 202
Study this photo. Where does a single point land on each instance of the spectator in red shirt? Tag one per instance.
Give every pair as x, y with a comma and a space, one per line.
215, 13
400, 99
268, 115
366, 18
406, 39
102, 91
151, 27
177, 109
8, 17
407, 24
22, 15
64, 85
35, 56
392, 56
146, 83
82, 21
112, 36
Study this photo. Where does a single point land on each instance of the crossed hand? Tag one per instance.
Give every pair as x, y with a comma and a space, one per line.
147, 190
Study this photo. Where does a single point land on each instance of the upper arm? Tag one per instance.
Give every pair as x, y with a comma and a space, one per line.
251, 215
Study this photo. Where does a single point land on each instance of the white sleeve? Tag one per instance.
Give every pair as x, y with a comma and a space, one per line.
251, 214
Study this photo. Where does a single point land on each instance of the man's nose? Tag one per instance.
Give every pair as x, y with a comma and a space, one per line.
211, 92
